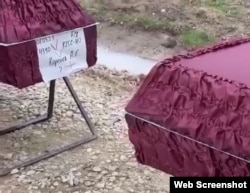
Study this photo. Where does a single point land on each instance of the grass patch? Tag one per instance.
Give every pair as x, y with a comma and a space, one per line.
149, 23
223, 6
153, 23
123, 18
146, 22
98, 9
193, 38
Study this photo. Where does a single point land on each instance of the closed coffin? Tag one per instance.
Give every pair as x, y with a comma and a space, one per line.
191, 115
21, 21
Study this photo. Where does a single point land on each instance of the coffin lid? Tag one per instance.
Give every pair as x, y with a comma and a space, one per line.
203, 95
22, 20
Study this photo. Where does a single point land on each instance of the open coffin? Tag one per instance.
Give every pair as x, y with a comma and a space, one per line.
191, 115
21, 21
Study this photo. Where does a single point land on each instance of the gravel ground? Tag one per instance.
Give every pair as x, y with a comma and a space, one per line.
106, 165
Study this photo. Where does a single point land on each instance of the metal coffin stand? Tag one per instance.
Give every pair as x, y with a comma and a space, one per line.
56, 151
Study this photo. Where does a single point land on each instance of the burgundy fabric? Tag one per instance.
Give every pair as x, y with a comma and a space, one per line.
203, 96
178, 156
22, 20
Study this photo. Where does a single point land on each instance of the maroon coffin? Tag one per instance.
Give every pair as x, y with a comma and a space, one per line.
191, 115
24, 20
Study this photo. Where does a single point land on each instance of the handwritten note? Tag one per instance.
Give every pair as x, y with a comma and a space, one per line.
61, 54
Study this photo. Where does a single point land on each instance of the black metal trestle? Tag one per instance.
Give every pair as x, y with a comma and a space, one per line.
47, 116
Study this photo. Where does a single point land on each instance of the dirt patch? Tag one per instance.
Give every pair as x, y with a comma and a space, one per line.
131, 41
192, 23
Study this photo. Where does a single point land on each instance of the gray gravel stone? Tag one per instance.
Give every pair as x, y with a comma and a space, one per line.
102, 166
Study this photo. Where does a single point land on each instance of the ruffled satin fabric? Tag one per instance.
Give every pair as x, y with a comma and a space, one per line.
207, 115
22, 20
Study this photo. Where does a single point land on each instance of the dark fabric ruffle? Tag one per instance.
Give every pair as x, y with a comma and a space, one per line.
178, 156
22, 20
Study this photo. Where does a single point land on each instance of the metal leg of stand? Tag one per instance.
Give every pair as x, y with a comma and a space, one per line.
56, 151
37, 119
78, 102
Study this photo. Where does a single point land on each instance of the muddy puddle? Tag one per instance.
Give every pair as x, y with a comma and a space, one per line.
121, 61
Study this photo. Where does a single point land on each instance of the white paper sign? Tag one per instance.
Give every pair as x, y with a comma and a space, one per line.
61, 54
